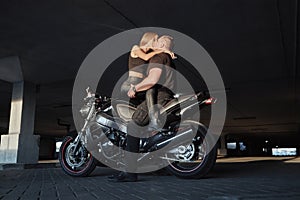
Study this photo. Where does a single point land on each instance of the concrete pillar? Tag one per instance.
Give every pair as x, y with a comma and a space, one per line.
223, 150
20, 145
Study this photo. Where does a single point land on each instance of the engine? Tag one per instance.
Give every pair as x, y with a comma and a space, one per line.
113, 123
106, 135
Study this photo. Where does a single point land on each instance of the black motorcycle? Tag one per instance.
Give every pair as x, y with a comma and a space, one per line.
188, 151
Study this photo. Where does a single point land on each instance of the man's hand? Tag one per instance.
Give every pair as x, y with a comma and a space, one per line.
131, 92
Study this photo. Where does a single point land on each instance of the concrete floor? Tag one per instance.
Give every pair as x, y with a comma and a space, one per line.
232, 178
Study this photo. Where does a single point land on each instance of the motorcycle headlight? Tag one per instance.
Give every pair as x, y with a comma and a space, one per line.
84, 111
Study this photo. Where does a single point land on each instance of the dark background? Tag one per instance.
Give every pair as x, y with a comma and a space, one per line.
255, 44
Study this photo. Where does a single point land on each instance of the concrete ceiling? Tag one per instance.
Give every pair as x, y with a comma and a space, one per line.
253, 43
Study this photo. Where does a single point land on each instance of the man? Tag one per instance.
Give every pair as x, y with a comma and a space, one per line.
161, 76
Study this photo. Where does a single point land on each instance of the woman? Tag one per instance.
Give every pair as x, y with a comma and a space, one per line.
137, 65
162, 45
139, 55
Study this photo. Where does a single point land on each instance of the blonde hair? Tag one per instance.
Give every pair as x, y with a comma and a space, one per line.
147, 37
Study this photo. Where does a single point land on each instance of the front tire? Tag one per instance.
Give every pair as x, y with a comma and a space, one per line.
79, 165
197, 158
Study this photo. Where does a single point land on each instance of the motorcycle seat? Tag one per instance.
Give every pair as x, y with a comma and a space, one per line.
124, 108
175, 103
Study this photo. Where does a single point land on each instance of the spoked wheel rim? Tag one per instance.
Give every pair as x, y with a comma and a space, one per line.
78, 161
191, 158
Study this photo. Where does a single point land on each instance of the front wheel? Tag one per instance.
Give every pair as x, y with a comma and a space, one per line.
196, 159
80, 163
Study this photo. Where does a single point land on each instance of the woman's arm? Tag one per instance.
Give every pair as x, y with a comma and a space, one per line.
137, 52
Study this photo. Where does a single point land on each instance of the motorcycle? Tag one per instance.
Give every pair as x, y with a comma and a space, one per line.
188, 151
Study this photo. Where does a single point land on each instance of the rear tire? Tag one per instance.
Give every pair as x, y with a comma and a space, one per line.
79, 165
202, 157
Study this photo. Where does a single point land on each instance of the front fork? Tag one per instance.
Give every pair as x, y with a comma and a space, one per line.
80, 135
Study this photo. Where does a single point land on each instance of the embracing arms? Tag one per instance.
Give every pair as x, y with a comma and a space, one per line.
152, 78
136, 51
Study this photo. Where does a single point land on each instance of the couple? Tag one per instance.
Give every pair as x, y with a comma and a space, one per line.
151, 71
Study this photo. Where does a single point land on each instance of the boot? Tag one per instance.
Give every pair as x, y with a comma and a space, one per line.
153, 120
151, 97
130, 161
124, 177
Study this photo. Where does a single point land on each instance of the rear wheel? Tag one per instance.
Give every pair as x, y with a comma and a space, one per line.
194, 160
81, 163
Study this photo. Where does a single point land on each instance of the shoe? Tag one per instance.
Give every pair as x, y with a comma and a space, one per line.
113, 176
124, 177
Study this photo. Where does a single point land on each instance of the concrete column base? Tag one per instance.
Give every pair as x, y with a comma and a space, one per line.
19, 148
222, 152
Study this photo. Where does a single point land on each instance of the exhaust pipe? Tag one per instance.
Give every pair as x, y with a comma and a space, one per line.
183, 137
